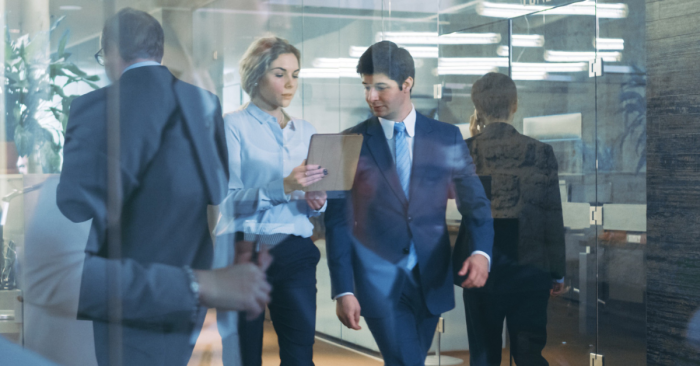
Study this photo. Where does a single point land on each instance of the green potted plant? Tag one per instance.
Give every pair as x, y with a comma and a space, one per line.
37, 106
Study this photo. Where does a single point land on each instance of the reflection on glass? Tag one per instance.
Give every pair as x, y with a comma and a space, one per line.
579, 67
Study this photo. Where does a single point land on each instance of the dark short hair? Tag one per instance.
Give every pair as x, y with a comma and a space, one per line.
136, 34
387, 58
493, 95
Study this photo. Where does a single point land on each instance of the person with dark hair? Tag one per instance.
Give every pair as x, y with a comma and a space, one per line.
529, 249
387, 241
144, 157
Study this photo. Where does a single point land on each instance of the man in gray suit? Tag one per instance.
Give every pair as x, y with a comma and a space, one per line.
144, 157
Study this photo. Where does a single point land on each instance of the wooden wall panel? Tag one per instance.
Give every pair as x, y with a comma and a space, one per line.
673, 178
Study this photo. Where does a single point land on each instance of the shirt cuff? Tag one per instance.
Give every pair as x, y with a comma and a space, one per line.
485, 255
194, 289
338, 296
322, 209
559, 280
275, 192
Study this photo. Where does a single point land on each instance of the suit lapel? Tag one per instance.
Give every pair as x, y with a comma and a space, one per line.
201, 132
422, 156
378, 147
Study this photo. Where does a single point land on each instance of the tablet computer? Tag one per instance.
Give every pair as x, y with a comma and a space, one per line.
337, 153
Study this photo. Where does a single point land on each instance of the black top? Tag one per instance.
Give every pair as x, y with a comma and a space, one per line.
529, 248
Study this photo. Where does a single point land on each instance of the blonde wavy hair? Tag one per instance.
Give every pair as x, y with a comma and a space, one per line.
257, 59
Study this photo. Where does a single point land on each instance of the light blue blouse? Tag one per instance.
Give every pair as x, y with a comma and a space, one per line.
261, 155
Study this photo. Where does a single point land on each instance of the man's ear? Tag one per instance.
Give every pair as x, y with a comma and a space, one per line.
514, 107
407, 84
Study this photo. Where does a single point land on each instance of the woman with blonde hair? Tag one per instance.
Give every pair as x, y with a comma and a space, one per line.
268, 173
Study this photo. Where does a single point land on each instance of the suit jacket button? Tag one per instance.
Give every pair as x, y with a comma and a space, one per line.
406, 250
410, 219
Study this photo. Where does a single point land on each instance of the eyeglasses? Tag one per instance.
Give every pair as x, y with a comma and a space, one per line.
100, 57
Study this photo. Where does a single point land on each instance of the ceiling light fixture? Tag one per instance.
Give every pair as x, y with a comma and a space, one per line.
548, 67
434, 38
335, 73
566, 56
70, 7
609, 44
465, 70
335, 63
473, 61
529, 75
416, 52
500, 10
527, 40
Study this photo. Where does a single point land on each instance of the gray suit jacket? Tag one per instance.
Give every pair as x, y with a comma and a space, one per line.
171, 165
529, 248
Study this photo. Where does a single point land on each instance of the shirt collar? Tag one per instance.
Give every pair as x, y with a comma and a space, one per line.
141, 64
263, 116
409, 121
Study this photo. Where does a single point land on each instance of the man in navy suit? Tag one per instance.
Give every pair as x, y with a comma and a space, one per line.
387, 242
144, 157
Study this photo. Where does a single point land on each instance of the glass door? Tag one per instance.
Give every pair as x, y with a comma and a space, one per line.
550, 53
621, 137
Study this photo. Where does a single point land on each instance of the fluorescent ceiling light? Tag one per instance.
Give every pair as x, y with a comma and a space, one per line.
565, 56
465, 70
522, 40
70, 7
416, 52
527, 40
434, 38
473, 61
335, 63
476, 65
610, 44
529, 75
423, 52
612, 69
548, 67
320, 73
499, 10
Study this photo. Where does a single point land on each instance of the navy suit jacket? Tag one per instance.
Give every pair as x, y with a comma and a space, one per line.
368, 232
171, 164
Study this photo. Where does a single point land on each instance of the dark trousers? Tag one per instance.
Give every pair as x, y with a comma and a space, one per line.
292, 307
526, 319
404, 336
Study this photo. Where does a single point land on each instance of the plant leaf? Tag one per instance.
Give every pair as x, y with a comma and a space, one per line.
62, 44
57, 23
75, 70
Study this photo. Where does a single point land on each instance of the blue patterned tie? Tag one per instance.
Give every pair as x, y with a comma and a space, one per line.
403, 158
403, 168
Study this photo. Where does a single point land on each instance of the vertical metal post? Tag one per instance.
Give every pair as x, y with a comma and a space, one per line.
510, 48
583, 292
114, 285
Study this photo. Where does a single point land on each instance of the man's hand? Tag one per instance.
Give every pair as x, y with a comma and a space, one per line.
316, 199
348, 310
240, 287
558, 289
477, 266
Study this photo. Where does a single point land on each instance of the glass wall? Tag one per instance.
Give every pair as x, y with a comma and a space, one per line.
579, 68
